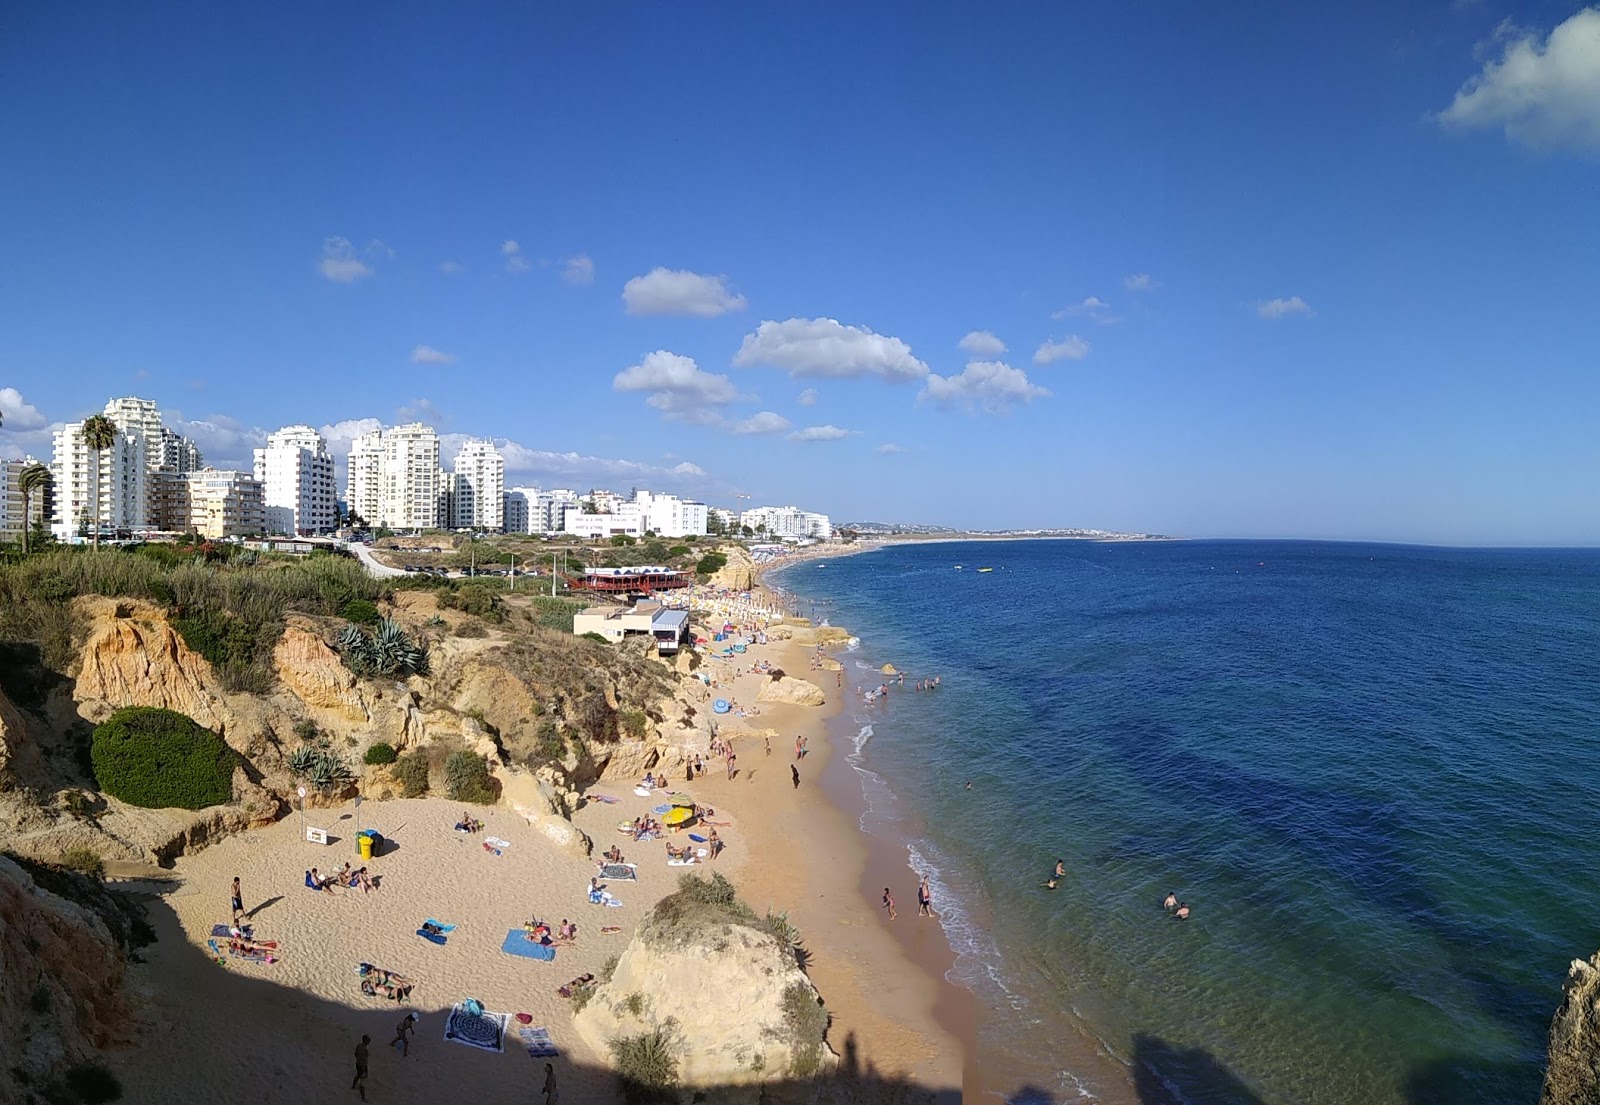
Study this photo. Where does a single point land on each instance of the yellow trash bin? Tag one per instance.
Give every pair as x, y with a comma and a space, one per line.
364, 843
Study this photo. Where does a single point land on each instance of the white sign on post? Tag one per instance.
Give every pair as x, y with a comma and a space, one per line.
317, 836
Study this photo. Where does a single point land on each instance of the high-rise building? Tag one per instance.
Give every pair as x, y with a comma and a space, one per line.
16, 512
296, 474
218, 503
480, 485
179, 453
787, 521
670, 516
111, 486
394, 477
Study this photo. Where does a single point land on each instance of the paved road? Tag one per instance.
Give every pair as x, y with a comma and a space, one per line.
364, 554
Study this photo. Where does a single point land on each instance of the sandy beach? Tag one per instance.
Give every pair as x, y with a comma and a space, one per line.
291, 1026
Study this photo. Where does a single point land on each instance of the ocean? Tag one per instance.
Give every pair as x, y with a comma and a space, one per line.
1369, 769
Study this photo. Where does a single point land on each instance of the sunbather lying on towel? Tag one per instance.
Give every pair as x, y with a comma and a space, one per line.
537, 931
582, 982
379, 983
241, 946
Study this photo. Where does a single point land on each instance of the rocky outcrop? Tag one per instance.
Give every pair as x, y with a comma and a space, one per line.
546, 804
18, 754
133, 657
797, 692
314, 674
739, 573
736, 1011
1573, 1074
60, 982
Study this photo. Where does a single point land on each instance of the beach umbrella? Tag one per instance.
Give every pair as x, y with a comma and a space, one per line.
720, 706
682, 800
676, 816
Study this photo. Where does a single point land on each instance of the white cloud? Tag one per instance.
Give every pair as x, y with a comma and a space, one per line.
422, 410
427, 354
827, 349
1542, 93
451, 268
19, 414
763, 422
578, 270
1140, 282
226, 442
986, 386
380, 249
340, 264
1093, 308
515, 261
982, 343
820, 433
1071, 348
677, 385
889, 449
808, 397
664, 291
1283, 308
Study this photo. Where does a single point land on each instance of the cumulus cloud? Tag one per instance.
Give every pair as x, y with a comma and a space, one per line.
1541, 93
422, 410
981, 343
808, 397
1283, 308
1071, 348
578, 270
451, 268
820, 433
20, 415
827, 349
1092, 308
664, 291
340, 264
1140, 282
512, 251
762, 422
989, 387
677, 385
427, 354
225, 442
889, 449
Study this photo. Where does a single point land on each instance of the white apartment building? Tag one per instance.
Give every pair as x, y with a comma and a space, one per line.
627, 520
299, 489
514, 510
729, 520
480, 487
670, 516
14, 507
394, 477
530, 510
112, 484
179, 453
787, 521
218, 503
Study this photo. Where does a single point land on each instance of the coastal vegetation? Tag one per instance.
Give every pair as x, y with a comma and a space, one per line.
647, 1065
467, 778
160, 759
388, 651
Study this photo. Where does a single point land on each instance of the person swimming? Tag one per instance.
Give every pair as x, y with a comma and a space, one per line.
1171, 901
1183, 911
1050, 883
1061, 869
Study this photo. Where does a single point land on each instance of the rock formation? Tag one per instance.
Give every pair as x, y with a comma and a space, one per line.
1573, 1074
133, 657
739, 573
798, 692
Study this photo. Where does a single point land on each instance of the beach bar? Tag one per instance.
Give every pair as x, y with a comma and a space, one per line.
669, 628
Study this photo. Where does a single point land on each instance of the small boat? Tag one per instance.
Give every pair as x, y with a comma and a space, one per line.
958, 567
985, 569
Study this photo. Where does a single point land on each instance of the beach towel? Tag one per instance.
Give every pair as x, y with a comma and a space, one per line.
434, 937
606, 798
642, 792
697, 838
440, 925
484, 1030
517, 943
538, 1042
618, 871
681, 863
248, 957
659, 810
496, 842
224, 930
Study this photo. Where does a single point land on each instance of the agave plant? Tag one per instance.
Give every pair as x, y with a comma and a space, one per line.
328, 770
302, 759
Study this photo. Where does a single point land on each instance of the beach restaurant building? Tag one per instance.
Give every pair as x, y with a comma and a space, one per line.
670, 628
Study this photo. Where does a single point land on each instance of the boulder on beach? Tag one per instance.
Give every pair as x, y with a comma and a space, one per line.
889, 669
796, 692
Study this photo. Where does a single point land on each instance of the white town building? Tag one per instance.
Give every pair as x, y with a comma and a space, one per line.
787, 521
16, 513
299, 489
394, 478
480, 487
627, 520
123, 477
217, 503
670, 516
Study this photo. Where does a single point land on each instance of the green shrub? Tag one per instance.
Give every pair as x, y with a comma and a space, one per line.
593, 636
551, 745
710, 563
380, 753
411, 772
634, 723
472, 627
554, 613
647, 1065
678, 550
160, 759
477, 599
467, 778
85, 861
807, 1022
360, 611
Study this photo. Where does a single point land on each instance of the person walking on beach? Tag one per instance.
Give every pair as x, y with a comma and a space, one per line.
888, 902
924, 899
402, 1034
769, 746
360, 1082
795, 771
732, 759
1171, 902
238, 900
799, 746
552, 1095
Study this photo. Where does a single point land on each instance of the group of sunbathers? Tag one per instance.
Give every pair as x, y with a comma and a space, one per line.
645, 828
468, 823
347, 877
539, 932
682, 855
378, 983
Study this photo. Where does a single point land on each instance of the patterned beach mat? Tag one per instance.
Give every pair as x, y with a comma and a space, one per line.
540, 1045
484, 1030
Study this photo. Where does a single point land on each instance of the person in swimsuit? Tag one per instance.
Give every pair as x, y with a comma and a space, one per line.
1051, 883
1171, 901
888, 902
402, 1034
360, 1082
238, 900
1061, 869
1183, 911
924, 899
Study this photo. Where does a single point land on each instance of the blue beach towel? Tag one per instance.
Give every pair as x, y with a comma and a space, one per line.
435, 937
517, 943
440, 925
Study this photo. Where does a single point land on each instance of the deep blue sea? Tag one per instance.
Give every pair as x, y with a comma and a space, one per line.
1369, 769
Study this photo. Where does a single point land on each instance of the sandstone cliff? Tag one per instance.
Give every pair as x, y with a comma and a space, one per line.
798, 692
1573, 1075
739, 573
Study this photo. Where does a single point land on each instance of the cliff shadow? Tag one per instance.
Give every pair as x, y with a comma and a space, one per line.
1464, 1080
1164, 1073
213, 1031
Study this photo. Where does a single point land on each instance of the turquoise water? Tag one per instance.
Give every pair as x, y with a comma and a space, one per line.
1370, 770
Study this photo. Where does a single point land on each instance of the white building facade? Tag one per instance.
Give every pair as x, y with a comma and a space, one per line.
670, 516
16, 512
299, 490
787, 521
110, 485
218, 503
394, 477
480, 487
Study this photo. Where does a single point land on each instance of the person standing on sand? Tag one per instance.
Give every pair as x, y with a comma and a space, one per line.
799, 743
402, 1034
360, 1082
924, 899
552, 1095
238, 900
888, 902
795, 771
769, 746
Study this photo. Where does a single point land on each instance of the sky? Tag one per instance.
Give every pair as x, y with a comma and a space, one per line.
1281, 271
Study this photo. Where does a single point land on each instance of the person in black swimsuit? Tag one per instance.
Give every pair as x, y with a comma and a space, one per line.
238, 900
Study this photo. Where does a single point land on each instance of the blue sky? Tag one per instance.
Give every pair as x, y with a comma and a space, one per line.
1327, 272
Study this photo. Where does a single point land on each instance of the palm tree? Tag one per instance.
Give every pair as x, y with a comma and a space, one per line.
99, 434
35, 477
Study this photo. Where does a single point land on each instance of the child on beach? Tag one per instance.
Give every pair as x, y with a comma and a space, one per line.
888, 902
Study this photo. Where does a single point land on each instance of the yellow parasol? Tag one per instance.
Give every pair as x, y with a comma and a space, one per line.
677, 815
